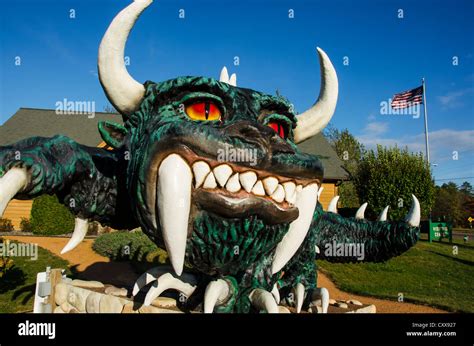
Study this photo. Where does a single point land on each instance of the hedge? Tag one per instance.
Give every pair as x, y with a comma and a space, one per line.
49, 217
124, 245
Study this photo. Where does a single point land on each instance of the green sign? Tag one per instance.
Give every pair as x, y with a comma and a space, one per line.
439, 231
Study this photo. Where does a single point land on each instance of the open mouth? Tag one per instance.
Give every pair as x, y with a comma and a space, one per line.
179, 180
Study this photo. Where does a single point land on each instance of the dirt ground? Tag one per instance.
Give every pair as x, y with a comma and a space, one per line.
92, 266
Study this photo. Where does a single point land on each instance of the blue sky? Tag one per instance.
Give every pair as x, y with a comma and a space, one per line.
387, 54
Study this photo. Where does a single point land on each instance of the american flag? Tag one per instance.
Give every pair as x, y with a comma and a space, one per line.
408, 98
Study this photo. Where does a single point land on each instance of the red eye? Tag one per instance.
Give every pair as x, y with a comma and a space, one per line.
278, 128
203, 111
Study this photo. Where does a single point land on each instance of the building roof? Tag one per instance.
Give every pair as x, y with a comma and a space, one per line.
30, 122
318, 145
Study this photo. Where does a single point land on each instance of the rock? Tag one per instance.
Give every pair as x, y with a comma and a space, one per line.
164, 302
283, 310
68, 308
115, 291
341, 305
93, 303
128, 309
77, 297
154, 310
111, 304
60, 295
87, 284
354, 302
58, 310
332, 302
370, 309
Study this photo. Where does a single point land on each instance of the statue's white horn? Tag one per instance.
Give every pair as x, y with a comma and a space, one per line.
317, 117
124, 92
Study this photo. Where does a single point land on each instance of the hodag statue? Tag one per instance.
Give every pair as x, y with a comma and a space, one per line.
239, 234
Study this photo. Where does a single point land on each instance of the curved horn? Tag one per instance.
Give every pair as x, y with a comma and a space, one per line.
124, 92
317, 117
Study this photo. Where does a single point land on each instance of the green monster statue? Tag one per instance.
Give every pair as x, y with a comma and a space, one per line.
211, 173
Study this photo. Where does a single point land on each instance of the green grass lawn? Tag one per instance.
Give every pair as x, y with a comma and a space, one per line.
428, 273
17, 287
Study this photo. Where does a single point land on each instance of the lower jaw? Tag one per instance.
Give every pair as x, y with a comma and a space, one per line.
230, 246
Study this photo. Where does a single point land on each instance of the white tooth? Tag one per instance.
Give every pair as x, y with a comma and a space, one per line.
332, 207
292, 199
361, 211
322, 293
200, 170
270, 184
222, 173
306, 203
217, 292
299, 188
383, 214
233, 184
263, 300
11, 183
258, 189
248, 180
290, 189
316, 248
276, 293
279, 194
80, 230
299, 297
174, 203
210, 182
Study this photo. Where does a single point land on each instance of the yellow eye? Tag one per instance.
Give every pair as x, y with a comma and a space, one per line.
203, 111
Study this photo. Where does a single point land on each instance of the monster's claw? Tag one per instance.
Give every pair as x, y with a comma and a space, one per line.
332, 207
147, 277
383, 214
155, 274
167, 281
263, 300
217, 293
276, 293
11, 183
413, 217
361, 211
323, 294
299, 296
80, 230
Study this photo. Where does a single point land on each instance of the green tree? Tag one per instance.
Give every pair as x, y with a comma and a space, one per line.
466, 189
389, 176
454, 204
350, 151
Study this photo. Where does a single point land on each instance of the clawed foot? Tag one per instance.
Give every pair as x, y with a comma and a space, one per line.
163, 279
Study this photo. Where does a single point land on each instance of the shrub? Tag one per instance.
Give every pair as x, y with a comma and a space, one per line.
159, 256
25, 225
6, 225
6, 263
123, 245
50, 217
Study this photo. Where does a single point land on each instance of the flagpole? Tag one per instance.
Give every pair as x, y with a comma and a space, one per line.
426, 122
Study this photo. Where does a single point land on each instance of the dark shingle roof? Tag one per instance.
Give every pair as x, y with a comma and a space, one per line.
30, 122
318, 145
